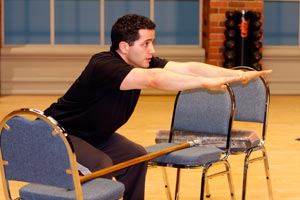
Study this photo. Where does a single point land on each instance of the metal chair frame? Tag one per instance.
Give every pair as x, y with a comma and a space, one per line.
261, 146
205, 167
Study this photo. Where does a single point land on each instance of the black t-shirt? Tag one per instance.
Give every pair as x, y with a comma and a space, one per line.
94, 107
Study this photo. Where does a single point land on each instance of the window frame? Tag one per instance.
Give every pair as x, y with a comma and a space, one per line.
298, 22
102, 26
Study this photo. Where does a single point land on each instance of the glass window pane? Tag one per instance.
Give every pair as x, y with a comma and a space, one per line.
77, 22
27, 22
177, 22
117, 8
276, 29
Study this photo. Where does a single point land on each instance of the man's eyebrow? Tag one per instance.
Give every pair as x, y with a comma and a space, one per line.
150, 40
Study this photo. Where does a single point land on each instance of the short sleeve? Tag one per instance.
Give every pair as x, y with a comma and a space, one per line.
157, 62
108, 71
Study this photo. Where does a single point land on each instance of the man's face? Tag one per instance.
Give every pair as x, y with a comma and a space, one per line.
140, 53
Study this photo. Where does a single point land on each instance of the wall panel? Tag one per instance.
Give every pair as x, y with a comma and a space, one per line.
43, 70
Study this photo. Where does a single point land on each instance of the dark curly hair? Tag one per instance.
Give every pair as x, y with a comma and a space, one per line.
126, 29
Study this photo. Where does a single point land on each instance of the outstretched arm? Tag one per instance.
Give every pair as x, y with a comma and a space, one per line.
181, 76
203, 69
163, 79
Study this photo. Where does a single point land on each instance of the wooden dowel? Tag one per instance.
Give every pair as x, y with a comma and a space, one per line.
134, 161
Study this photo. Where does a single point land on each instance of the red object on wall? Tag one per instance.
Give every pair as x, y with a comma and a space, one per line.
245, 33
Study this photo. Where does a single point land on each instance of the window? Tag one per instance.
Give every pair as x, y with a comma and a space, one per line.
171, 18
57, 22
281, 23
77, 22
27, 22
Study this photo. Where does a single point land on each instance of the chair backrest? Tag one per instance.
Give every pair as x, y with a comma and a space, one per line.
252, 101
34, 148
204, 111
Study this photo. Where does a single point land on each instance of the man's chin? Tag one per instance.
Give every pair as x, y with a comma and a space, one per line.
143, 66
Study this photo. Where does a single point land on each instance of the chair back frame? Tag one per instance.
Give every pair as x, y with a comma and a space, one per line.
263, 112
57, 131
260, 105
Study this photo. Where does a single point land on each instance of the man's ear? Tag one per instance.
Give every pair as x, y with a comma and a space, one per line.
123, 46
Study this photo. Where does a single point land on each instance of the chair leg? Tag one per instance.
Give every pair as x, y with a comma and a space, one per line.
247, 161
177, 186
166, 181
206, 177
207, 191
267, 170
203, 181
246, 165
230, 180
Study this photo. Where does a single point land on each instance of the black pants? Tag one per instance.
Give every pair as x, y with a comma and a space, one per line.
117, 149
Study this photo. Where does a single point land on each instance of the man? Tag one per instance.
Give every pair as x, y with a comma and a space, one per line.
104, 96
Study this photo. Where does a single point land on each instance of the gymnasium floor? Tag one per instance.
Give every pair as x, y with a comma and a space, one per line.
154, 112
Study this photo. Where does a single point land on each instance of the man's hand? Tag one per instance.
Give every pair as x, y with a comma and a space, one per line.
248, 75
219, 83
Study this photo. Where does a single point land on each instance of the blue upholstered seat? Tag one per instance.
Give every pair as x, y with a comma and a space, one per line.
189, 157
96, 189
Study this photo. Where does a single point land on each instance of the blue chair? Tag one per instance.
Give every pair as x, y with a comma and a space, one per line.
252, 106
35, 149
205, 114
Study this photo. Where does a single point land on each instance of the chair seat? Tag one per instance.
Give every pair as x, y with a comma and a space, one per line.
241, 140
192, 156
111, 190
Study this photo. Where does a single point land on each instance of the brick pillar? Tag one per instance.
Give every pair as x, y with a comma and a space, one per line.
213, 24
0, 24
0, 42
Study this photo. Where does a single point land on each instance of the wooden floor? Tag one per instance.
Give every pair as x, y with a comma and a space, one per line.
154, 112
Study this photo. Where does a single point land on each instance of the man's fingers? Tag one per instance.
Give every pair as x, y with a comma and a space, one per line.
266, 72
220, 83
223, 87
253, 74
219, 87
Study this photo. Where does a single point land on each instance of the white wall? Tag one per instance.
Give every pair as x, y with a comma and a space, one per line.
51, 70
285, 63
